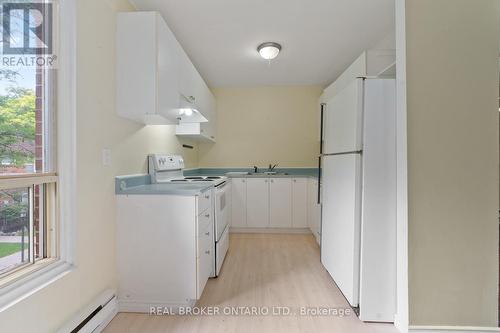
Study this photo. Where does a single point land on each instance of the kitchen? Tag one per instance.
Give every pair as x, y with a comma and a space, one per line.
197, 216
268, 166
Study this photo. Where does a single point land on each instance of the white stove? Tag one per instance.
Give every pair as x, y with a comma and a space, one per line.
169, 169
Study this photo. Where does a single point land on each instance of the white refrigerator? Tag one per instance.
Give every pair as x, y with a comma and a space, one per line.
358, 196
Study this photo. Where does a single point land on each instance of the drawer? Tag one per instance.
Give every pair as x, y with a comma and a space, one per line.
204, 201
205, 258
205, 242
205, 221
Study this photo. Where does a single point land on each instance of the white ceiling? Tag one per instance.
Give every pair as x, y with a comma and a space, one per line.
320, 38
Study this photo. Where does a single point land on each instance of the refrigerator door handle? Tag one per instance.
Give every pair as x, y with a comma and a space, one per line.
323, 106
344, 153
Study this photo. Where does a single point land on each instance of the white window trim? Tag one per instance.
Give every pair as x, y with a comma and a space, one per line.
66, 160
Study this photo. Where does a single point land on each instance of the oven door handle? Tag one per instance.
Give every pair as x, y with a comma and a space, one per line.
221, 186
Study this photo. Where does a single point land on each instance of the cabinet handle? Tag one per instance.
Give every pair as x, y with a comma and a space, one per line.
272, 181
207, 233
207, 196
265, 181
295, 180
207, 252
207, 215
192, 98
242, 180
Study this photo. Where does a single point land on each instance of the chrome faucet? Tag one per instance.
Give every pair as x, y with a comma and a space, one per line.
255, 169
271, 167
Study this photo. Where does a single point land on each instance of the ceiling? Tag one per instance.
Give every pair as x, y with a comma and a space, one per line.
320, 38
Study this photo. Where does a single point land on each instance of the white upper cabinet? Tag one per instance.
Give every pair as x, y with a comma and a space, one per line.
157, 82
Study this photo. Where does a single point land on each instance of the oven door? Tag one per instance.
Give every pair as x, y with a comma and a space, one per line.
221, 209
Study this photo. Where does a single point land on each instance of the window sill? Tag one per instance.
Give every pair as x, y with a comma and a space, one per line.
30, 280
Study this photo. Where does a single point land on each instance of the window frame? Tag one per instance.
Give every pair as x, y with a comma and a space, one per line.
44, 272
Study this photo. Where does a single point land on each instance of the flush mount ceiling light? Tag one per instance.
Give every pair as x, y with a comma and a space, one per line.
269, 50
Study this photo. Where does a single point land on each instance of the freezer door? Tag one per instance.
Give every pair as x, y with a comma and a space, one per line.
343, 121
341, 220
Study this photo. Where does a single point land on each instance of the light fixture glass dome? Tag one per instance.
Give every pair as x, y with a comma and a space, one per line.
269, 50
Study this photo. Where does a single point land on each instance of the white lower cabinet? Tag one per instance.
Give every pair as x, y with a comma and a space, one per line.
257, 202
280, 203
299, 202
165, 249
238, 203
314, 209
271, 202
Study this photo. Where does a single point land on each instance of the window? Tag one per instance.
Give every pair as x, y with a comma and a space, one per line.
28, 173
29, 219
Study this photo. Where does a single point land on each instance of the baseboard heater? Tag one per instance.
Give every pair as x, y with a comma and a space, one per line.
95, 317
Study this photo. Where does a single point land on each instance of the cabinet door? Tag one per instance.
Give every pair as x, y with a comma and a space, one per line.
209, 110
258, 202
299, 202
280, 202
168, 70
313, 209
239, 203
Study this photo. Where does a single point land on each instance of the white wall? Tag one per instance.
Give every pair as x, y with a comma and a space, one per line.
97, 127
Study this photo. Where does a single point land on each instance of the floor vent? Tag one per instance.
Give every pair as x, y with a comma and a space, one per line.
95, 317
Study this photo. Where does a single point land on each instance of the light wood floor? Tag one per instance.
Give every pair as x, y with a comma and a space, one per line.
263, 270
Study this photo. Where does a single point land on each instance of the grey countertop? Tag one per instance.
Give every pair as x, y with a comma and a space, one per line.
140, 184
189, 189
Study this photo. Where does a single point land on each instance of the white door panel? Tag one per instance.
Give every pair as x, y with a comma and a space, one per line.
238, 202
343, 120
299, 202
280, 203
258, 203
377, 298
340, 233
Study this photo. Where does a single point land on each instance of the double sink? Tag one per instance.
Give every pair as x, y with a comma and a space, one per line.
266, 173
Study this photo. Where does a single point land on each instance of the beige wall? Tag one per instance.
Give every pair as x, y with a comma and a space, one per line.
258, 126
452, 80
97, 127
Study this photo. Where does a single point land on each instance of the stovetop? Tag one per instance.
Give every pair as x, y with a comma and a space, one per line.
190, 179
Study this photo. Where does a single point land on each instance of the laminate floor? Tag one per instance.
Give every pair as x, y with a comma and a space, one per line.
273, 273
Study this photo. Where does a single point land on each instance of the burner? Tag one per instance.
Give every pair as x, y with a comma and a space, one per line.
203, 180
179, 180
214, 177
193, 177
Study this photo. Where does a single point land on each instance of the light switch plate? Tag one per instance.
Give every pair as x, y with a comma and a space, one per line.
106, 157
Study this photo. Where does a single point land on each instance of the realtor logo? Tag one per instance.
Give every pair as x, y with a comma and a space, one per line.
27, 28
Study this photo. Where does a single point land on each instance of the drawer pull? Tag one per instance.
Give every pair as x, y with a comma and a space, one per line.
207, 252
207, 196
207, 233
207, 215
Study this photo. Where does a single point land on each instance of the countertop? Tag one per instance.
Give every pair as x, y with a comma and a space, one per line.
130, 185
283, 172
140, 184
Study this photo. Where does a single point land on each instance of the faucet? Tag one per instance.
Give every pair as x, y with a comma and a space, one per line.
255, 169
271, 167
